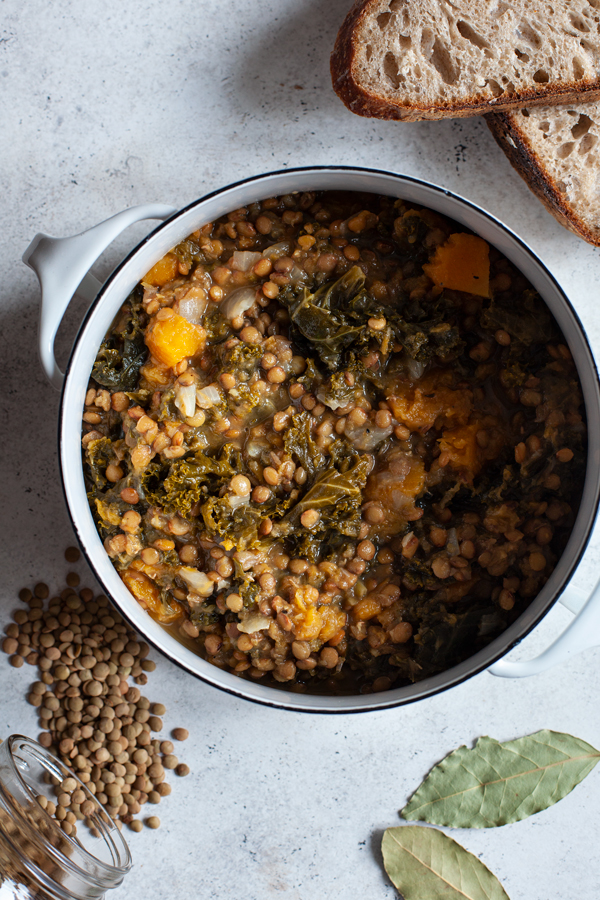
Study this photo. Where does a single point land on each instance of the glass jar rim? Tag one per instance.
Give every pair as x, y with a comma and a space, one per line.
108, 874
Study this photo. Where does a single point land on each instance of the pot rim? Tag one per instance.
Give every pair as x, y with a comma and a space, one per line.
473, 665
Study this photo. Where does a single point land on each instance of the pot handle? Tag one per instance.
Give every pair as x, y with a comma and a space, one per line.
62, 267
581, 634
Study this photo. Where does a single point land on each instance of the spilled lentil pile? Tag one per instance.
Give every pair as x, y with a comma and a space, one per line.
335, 442
93, 719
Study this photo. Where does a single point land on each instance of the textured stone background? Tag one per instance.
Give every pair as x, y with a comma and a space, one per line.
107, 105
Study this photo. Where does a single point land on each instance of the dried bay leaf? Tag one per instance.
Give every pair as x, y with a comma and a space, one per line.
425, 863
497, 784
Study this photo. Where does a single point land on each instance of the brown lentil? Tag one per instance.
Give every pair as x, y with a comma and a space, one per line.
102, 703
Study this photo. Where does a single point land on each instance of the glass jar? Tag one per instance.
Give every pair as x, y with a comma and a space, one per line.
38, 859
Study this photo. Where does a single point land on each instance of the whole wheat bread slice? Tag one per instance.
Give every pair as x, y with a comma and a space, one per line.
432, 59
557, 151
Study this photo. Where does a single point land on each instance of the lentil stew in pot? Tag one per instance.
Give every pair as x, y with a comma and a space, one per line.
334, 441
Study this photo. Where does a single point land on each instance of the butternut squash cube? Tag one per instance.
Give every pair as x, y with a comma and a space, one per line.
366, 609
420, 405
174, 339
334, 619
460, 444
147, 593
165, 270
461, 264
142, 588
307, 623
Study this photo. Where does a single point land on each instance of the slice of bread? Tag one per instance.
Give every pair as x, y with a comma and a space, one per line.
432, 59
557, 151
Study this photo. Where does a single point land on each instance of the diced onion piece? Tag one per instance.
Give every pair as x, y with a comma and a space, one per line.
415, 368
243, 260
297, 275
238, 302
367, 437
452, 543
185, 399
254, 622
254, 449
206, 397
197, 581
328, 400
249, 558
193, 306
276, 251
236, 501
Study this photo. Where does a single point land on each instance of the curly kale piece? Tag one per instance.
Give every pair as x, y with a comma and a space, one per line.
299, 444
123, 352
204, 615
239, 525
244, 585
245, 400
98, 455
180, 485
242, 360
336, 392
410, 231
218, 328
233, 526
188, 252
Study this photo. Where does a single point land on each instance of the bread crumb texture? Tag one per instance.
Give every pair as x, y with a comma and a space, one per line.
563, 143
430, 57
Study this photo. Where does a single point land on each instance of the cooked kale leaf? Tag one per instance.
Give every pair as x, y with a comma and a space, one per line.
337, 496
528, 322
181, 484
299, 444
322, 317
123, 352
98, 454
335, 320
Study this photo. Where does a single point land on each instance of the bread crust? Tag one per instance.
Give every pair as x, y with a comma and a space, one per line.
363, 102
530, 167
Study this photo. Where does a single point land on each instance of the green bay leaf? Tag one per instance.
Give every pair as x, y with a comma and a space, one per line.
425, 863
496, 784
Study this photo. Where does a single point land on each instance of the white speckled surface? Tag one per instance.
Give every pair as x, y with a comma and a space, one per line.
108, 105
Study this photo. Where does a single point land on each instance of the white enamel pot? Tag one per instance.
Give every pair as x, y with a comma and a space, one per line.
62, 266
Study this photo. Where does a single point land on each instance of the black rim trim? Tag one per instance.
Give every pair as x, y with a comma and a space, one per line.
452, 682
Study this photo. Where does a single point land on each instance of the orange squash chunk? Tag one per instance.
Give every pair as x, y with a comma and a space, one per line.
307, 623
165, 270
465, 453
461, 264
366, 609
147, 593
394, 489
419, 406
333, 619
142, 588
173, 339
451, 593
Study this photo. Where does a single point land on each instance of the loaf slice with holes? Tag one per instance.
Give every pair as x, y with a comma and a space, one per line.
556, 149
433, 59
